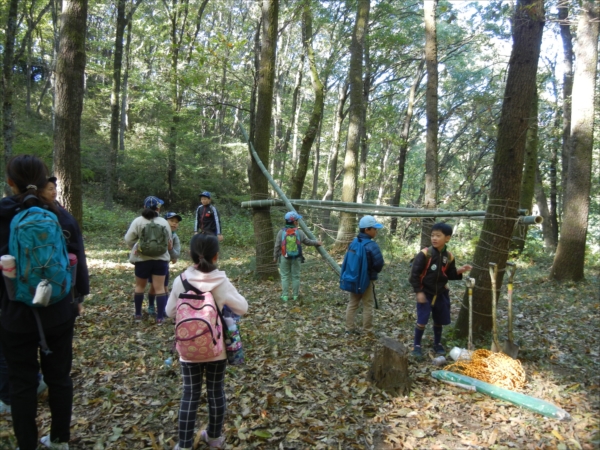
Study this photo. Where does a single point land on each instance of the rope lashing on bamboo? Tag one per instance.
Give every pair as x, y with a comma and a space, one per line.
494, 368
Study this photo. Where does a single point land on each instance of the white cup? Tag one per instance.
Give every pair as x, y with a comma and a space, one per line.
9, 269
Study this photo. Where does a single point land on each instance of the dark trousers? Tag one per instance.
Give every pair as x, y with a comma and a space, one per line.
22, 353
4, 385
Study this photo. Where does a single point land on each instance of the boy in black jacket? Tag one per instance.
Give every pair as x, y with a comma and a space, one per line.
431, 270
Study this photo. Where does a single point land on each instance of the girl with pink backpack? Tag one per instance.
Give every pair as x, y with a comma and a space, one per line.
209, 359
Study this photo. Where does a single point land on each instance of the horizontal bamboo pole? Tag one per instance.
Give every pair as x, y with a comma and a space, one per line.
368, 208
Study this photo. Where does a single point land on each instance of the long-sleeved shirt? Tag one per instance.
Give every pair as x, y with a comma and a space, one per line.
134, 233
207, 220
215, 282
437, 275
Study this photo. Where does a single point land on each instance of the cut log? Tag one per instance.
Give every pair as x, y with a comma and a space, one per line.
390, 367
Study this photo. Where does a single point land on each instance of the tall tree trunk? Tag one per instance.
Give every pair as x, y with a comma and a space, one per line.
284, 157
542, 203
317, 112
570, 254
364, 143
335, 150
503, 203
431, 100
404, 137
528, 179
261, 217
7, 82
111, 167
567, 42
348, 220
70, 68
124, 122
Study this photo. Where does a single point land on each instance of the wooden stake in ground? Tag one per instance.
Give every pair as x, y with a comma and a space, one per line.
390, 367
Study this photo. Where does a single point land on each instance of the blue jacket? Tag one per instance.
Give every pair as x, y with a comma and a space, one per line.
374, 257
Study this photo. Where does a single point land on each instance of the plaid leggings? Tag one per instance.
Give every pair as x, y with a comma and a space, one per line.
192, 388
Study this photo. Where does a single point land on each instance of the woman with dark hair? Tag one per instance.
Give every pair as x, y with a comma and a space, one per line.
205, 276
19, 336
148, 264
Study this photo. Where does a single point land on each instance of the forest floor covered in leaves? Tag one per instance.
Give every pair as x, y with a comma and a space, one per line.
305, 383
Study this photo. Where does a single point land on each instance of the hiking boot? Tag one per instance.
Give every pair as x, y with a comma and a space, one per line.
213, 442
45, 441
4, 408
439, 349
285, 298
417, 353
151, 311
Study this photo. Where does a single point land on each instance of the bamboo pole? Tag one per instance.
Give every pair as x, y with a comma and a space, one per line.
334, 265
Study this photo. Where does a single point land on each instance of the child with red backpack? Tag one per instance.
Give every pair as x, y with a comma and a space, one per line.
202, 287
431, 269
288, 250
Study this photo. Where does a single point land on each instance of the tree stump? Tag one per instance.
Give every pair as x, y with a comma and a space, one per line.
389, 370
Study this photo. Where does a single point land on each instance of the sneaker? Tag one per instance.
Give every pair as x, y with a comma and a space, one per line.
4, 408
285, 298
45, 441
439, 349
160, 321
417, 353
177, 447
151, 311
137, 317
295, 297
213, 442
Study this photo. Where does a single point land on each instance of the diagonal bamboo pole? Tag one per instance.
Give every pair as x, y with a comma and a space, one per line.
334, 265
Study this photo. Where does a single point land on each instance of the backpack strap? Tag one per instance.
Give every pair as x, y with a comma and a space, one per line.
188, 286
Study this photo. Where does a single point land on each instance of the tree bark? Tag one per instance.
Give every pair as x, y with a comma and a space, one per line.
431, 99
528, 179
364, 143
317, 112
503, 203
111, 167
404, 137
567, 42
261, 217
124, 122
542, 203
70, 68
347, 228
570, 254
7, 82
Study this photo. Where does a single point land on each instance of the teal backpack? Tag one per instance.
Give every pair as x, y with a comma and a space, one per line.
40, 250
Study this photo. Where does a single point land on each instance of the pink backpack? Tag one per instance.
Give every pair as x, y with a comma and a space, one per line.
198, 329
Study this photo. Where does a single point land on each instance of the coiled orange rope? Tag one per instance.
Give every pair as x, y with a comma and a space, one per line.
495, 368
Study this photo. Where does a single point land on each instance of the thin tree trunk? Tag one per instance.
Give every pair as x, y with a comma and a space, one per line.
317, 161
567, 42
111, 167
542, 204
404, 138
570, 253
124, 122
528, 179
70, 68
431, 98
347, 228
7, 82
283, 157
364, 143
261, 217
317, 112
507, 171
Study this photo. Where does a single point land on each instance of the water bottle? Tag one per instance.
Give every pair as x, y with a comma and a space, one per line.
168, 362
439, 361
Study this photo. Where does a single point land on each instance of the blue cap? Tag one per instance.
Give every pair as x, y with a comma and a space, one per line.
292, 216
369, 222
171, 215
152, 202
205, 194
